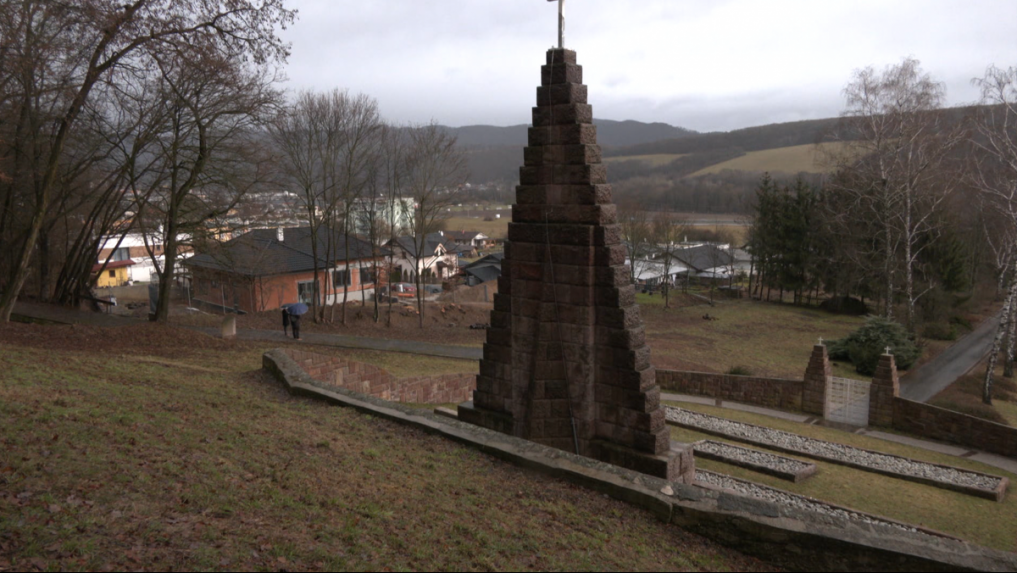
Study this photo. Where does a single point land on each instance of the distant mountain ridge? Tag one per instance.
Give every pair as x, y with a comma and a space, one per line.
610, 133
746, 139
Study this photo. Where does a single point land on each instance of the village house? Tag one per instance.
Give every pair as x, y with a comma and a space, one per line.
114, 274
485, 269
475, 239
135, 247
438, 258
265, 269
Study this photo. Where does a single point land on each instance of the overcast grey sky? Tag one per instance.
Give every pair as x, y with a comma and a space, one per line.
702, 64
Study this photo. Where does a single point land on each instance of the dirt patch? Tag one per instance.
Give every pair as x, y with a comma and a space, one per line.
146, 338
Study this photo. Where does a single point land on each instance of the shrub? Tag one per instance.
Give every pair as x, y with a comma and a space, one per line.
739, 371
844, 305
962, 322
939, 331
864, 346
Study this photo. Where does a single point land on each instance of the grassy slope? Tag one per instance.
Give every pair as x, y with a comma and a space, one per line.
982, 521
965, 395
654, 160
782, 159
496, 229
149, 448
768, 339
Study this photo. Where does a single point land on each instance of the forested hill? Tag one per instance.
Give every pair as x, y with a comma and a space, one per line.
656, 149
610, 133
748, 139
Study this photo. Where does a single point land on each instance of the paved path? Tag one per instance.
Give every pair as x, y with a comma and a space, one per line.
52, 313
931, 378
362, 343
25, 311
1000, 462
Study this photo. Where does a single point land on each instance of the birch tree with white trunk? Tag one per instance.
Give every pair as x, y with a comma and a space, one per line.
994, 156
896, 142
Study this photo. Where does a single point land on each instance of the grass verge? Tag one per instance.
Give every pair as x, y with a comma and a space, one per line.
769, 339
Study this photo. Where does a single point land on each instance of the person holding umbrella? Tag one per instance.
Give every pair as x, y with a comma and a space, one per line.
295, 311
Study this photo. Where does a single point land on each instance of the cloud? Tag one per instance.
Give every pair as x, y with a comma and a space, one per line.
701, 64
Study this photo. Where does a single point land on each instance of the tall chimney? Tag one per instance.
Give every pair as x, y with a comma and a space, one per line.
279, 234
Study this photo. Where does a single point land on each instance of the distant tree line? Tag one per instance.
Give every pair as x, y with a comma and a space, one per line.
921, 206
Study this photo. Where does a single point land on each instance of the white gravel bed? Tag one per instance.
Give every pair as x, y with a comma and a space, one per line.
764, 459
770, 494
831, 450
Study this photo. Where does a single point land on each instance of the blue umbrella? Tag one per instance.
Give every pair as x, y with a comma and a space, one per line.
297, 309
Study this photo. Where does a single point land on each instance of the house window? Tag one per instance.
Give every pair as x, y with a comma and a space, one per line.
342, 277
112, 274
121, 254
307, 291
366, 276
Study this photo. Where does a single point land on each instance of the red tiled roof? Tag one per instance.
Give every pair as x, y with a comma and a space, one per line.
113, 265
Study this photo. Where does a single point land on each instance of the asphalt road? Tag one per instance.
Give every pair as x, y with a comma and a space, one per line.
922, 383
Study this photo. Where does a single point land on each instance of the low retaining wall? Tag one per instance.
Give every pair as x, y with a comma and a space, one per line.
953, 427
770, 392
377, 382
789, 537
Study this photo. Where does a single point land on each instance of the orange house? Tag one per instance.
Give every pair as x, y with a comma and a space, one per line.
267, 268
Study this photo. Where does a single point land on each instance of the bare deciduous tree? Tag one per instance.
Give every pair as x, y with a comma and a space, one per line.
392, 163
666, 234
65, 49
895, 143
435, 170
995, 176
636, 231
208, 151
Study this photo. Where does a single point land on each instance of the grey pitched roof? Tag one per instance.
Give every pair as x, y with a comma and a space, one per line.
493, 258
703, 257
485, 272
260, 253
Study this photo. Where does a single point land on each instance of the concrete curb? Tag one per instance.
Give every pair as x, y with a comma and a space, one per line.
794, 539
995, 495
796, 476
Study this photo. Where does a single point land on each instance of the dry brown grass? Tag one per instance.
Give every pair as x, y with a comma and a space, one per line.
153, 448
793, 159
769, 339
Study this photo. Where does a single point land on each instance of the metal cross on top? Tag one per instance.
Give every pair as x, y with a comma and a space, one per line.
561, 23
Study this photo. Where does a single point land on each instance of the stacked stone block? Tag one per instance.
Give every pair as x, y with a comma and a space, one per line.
566, 363
818, 376
885, 387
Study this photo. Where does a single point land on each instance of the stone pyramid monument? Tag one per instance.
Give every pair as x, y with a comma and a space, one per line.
566, 362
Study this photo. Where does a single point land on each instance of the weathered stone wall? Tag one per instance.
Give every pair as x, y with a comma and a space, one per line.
769, 392
374, 381
948, 426
786, 536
